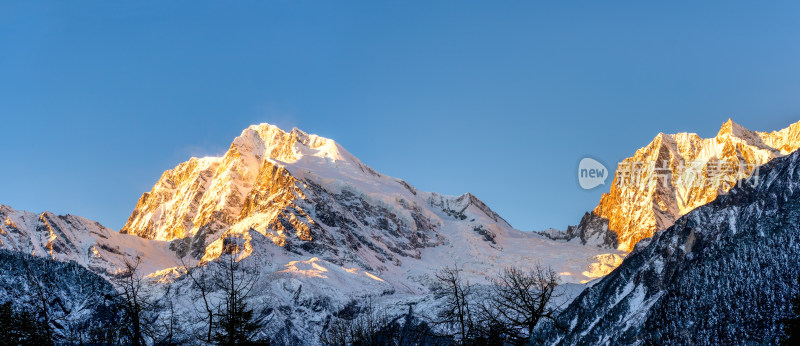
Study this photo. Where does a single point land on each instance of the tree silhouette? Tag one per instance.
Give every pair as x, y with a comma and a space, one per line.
456, 312
519, 299
235, 324
21, 327
791, 326
135, 303
200, 280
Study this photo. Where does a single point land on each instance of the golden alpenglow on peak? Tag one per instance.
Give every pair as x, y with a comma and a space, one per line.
786, 140
278, 194
676, 173
210, 194
730, 127
270, 181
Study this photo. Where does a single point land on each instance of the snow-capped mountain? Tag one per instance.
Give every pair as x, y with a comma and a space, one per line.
724, 273
672, 176
312, 199
325, 231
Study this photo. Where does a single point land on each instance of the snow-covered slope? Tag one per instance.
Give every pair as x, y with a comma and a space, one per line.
312, 199
722, 274
74, 297
72, 238
324, 232
673, 175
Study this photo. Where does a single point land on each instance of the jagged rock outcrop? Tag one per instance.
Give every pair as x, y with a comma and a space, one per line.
725, 273
74, 298
675, 174
320, 231
312, 198
72, 238
252, 187
592, 231
327, 231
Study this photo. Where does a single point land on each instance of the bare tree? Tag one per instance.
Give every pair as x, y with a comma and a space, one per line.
170, 327
457, 311
372, 326
519, 299
45, 294
134, 301
199, 278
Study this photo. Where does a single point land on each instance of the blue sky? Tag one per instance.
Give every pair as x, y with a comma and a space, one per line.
500, 99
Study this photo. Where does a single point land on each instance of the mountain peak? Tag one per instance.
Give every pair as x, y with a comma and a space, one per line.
732, 128
271, 142
298, 195
685, 174
786, 140
298, 132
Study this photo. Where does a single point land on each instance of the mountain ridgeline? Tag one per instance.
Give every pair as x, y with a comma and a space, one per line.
672, 176
322, 234
321, 238
310, 197
724, 273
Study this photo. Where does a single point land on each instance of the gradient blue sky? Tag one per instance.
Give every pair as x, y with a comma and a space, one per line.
500, 99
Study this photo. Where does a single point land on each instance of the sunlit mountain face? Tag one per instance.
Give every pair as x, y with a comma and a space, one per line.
312, 198
675, 174
724, 273
321, 232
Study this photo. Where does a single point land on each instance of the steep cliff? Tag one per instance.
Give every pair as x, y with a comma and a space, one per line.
675, 174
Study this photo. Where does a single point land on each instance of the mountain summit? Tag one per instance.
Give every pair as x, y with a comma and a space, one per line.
321, 233
309, 197
675, 174
725, 273
214, 193
323, 236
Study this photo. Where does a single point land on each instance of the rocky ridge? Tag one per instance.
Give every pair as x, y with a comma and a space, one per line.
672, 176
724, 273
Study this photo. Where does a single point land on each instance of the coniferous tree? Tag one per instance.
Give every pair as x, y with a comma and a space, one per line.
791, 326
235, 318
21, 327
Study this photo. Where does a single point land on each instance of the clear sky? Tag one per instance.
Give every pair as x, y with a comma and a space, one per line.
497, 98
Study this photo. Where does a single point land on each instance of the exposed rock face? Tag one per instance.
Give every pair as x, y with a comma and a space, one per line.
250, 187
326, 231
592, 230
76, 297
675, 174
321, 232
72, 238
312, 198
725, 273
